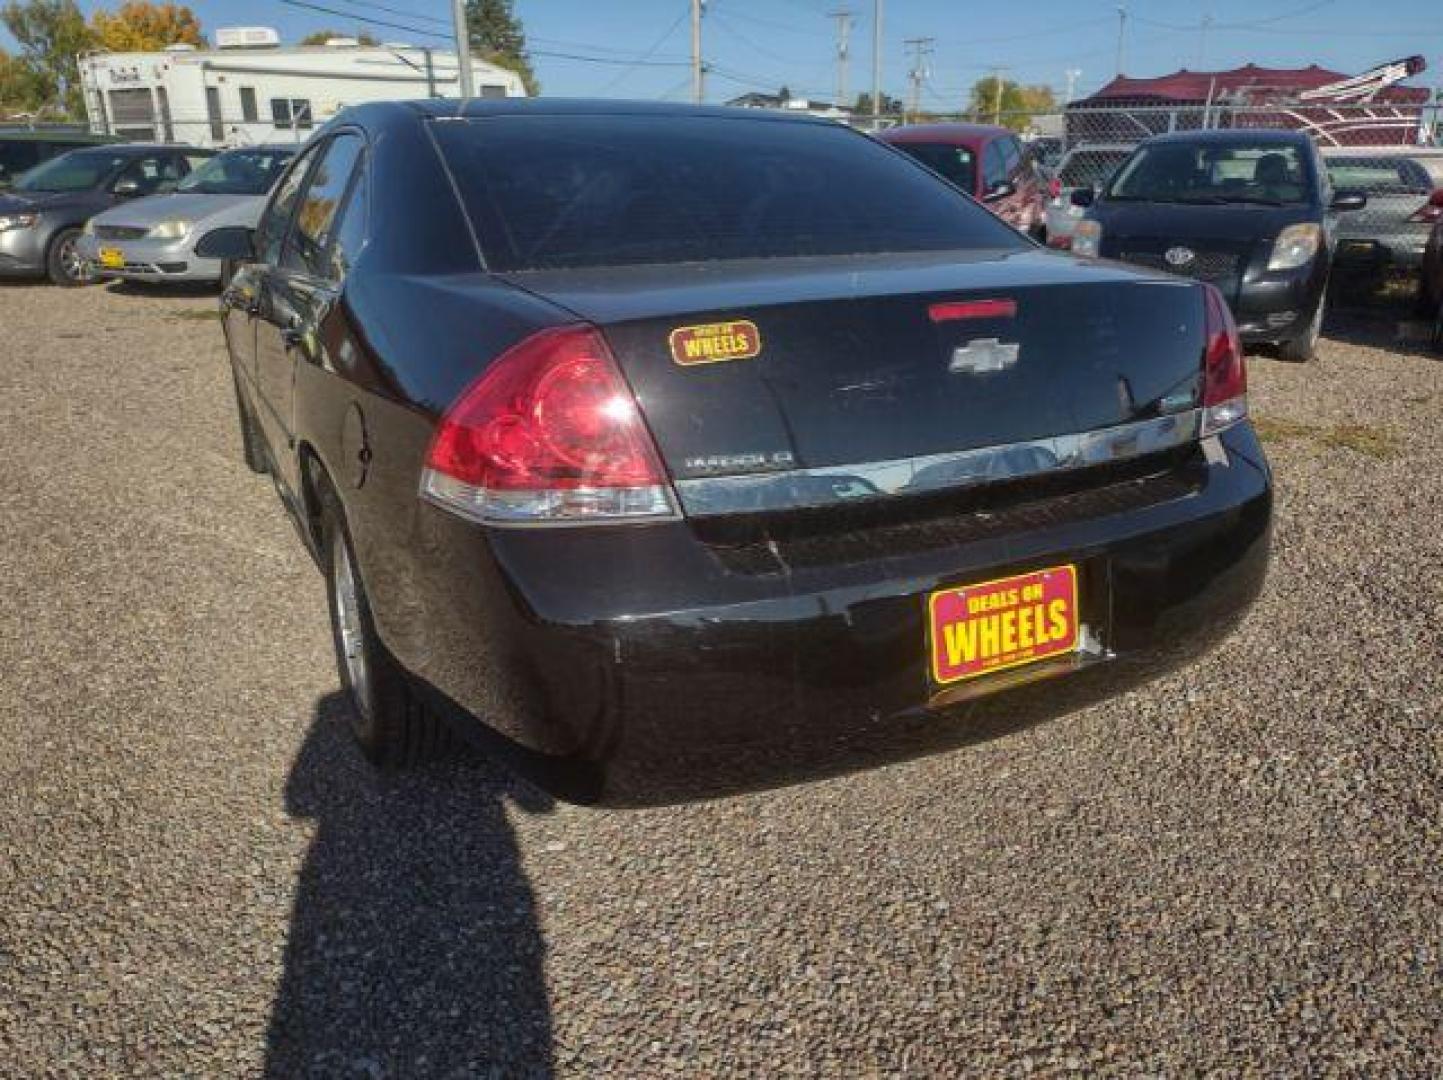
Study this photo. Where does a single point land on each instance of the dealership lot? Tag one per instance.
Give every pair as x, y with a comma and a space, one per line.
1236, 866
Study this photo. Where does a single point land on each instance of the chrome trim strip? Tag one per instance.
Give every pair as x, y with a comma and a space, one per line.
797, 488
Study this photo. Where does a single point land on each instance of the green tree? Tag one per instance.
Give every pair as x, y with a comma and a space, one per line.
320, 37
890, 106
495, 35
50, 33
20, 91
1018, 103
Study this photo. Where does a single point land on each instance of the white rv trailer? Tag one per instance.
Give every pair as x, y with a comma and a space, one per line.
252, 91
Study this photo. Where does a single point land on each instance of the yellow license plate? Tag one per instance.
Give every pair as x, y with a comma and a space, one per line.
112, 258
996, 625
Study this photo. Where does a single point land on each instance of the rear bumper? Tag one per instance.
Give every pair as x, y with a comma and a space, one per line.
644, 665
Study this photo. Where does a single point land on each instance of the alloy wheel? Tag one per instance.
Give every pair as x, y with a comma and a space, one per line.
350, 633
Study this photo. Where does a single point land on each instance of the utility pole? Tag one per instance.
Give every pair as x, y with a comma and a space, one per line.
1202, 48
698, 88
997, 94
1072, 75
844, 29
463, 49
876, 62
921, 48
1121, 35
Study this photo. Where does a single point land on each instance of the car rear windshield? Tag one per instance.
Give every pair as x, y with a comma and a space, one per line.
551, 192
1380, 175
955, 163
79, 170
1211, 172
1090, 168
237, 172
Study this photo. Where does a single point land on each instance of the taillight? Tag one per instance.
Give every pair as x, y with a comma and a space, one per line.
1225, 377
1431, 211
550, 434
1054, 188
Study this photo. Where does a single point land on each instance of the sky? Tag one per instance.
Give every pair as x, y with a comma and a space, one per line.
641, 48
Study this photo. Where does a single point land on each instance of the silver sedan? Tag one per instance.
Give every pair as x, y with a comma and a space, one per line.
162, 238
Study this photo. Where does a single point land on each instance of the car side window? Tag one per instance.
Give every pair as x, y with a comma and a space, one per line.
1011, 157
994, 169
271, 232
151, 174
350, 230
305, 248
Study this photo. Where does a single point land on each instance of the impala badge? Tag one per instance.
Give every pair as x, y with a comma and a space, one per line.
983, 355
1179, 256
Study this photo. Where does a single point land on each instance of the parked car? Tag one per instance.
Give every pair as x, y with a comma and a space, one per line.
1248, 211
42, 216
164, 238
988, 163
1089, 167
695, 449
24, 148
1393, 230
1430, 285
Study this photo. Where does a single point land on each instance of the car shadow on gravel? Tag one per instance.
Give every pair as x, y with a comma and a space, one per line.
414, 947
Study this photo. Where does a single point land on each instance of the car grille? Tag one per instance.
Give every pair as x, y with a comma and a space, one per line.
1205, 266
121, 232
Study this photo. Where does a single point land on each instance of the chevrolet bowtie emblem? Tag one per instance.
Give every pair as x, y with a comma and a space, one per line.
983, 355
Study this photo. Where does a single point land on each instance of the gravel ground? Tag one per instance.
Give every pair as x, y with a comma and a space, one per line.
1234, 870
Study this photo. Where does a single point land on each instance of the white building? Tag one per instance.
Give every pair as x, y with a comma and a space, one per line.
249, 90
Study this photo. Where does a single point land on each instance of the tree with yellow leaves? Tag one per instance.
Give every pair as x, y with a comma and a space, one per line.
141, 26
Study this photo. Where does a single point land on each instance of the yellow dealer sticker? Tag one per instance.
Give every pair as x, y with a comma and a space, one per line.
715, 342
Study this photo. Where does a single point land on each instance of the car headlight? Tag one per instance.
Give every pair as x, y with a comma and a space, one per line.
17, 221
1295, 246
169, 230
1087, 238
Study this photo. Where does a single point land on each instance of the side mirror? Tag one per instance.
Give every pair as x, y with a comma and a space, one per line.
234, 242
1083, 196
1000, 190
127, 187
1349, 200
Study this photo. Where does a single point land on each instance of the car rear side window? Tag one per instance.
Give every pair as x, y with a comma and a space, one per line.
305, 249
271, 232
955, 163
587, 191
1380, 175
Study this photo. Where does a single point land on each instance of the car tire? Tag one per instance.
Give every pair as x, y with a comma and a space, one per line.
63, 264
392, 725
1300, 350
252, 448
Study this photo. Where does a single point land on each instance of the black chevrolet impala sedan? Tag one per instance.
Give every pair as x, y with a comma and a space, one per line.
675, 451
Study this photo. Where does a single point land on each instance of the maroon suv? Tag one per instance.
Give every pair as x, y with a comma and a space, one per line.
989, 163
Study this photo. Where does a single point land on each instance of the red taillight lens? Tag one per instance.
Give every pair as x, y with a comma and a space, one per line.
550, 433
1054, 188
1431, 211
1225, 376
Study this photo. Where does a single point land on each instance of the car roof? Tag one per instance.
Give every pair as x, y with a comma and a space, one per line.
1234, 137
969, 135
516, 106
80, 138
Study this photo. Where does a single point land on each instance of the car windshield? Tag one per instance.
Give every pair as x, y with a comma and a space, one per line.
1209, 172
956, 163
1380, 176
1090, 168
237, 172
585, 191
79, 170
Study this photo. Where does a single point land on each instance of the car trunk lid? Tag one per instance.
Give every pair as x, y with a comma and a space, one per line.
825, 364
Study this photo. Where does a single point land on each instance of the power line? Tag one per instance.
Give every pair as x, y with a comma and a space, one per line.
622, 75
365, 19
417, 16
